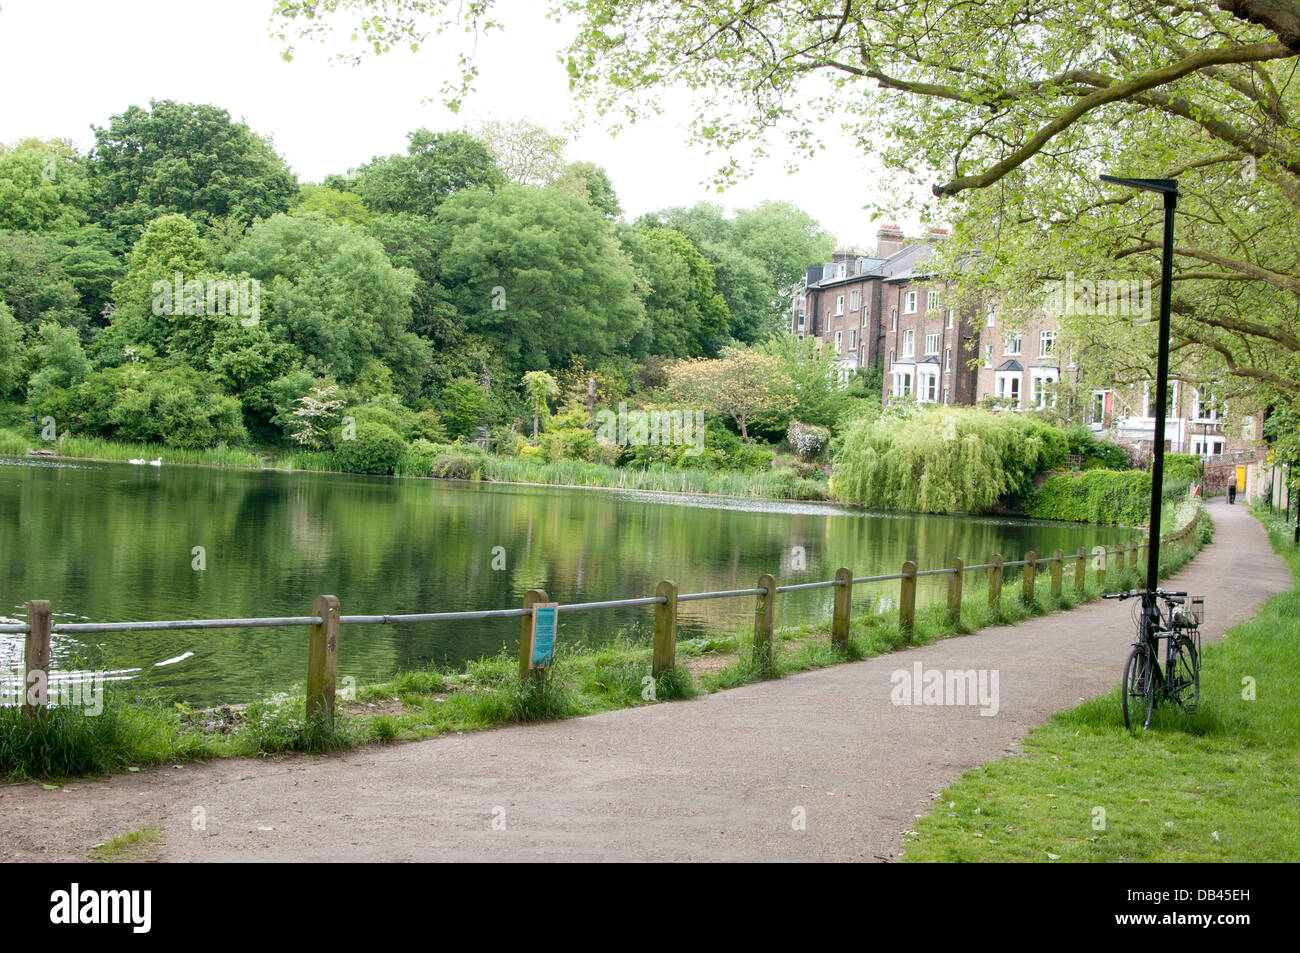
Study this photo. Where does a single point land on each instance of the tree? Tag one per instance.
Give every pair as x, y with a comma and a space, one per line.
330, 291
464, 405
539, 387
33, 282
335, 205
436, 165
528, 154
684, 316
185, 158
589, 181
42, 186
13, 354
538, 273
60, 365
740, 384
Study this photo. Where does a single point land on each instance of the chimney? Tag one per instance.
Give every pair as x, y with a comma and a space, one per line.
889, 241
936, 235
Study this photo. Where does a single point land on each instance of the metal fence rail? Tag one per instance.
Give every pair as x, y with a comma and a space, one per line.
326, 619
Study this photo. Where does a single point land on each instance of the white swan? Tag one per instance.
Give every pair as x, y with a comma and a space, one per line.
156, 463
137, 462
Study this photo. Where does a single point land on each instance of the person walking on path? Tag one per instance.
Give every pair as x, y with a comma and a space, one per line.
1232, 488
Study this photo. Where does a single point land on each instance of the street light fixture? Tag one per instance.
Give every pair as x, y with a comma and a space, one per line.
1169, 189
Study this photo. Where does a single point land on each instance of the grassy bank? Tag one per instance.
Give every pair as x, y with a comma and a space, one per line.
459, 464
136, 730
1218, 785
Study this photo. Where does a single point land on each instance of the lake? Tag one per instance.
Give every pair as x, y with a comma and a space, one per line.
116, 543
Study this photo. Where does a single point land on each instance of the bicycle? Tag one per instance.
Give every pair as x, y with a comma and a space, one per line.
1179, 625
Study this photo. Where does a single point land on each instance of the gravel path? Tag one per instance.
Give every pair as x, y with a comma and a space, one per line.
721, 777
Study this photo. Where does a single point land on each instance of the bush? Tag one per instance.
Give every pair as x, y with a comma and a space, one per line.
174, 406
1182, 466
375, 448
808, 441
1097, 496
944, 459
458, 464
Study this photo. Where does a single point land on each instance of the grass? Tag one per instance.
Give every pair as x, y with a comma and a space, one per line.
136, 730
131, 848
1216, 785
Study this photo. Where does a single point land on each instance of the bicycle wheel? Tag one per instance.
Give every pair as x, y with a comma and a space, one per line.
1138, 691
1186, 676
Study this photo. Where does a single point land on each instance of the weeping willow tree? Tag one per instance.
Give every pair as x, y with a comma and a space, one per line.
944, 460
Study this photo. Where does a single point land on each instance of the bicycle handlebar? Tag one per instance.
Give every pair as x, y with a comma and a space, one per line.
1132, 593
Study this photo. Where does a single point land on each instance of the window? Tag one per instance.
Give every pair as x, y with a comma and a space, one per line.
802, 318
909, 343
988, 355
1149, 400
839, 342
902, 383
932, 344
855, 300
947, 359
909, 303
989, 318
1043, 393
1100, 404
1203, 446
839, 304
931, 388
1206, 408
893, 319
891, 357
1046, 343
1013, 345
853, 339
1008, 387
932, 301
951, 317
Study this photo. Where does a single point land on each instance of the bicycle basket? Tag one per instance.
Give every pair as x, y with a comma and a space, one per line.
1190, 614
1197, 605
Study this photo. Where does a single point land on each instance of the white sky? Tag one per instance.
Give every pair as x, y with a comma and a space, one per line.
68, 64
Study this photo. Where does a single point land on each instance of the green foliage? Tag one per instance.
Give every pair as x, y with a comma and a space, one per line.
1181, 467
684, 315
174, 406
375, 448
464, 406
184, 158
1097, 496
42, 187
13, 353
537, 273
33, 282
943, 460
436, 165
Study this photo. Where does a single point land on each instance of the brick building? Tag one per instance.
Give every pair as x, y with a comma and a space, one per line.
888, 310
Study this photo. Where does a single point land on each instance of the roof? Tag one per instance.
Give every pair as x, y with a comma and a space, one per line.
1010, 365
898, 266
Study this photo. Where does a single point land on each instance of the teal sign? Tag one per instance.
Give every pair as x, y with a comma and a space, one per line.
545, 616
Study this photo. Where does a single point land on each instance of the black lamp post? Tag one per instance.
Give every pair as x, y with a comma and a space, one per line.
1169, 189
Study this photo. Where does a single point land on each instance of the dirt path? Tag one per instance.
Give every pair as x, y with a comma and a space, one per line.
718, 778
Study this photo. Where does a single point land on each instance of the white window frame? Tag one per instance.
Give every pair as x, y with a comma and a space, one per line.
839, 305
1217, 410
909, 343
839, 342
1046, 343
855, 300
1013, 340
909, 303
988, 355
1216, 445
1039, 378
932, 344
990, 317
952, 317
1007, 387
853, 339
893, 319
947, 359
931, 301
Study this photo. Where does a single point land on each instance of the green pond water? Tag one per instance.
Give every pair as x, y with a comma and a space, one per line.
109, 542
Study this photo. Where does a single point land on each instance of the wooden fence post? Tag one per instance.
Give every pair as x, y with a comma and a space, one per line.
323, 659
907, 601
1102, 558
843, 609
1080, 568
995, 585
764, 616
665, 655
531, 598
36, 684
954, 591
1058, 563
1132, 556
1027, 583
